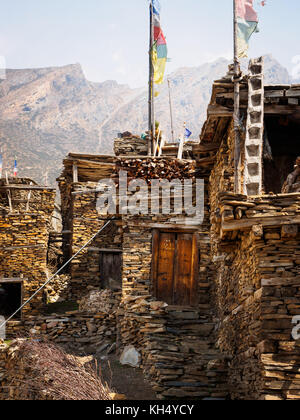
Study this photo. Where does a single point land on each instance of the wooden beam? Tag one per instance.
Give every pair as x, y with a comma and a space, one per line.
93, 191
106, 250
173, 227
12, 280
206, 147
75, 173
293, 93
219, 111
25, 187
270, 109
281, 109
245, 224
14, 248
88, 156
28, 198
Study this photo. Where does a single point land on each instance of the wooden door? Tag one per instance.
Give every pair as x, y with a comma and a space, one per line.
111, 270
175, 267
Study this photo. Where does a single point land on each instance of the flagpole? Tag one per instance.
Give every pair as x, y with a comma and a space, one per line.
236, 114
171, 111
151, 86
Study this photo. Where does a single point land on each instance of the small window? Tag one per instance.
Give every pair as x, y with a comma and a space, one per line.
175, 267
111, 270
10, 297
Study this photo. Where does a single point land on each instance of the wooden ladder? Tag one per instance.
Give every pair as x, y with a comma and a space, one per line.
254, 129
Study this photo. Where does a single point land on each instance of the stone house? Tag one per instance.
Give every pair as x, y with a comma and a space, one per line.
25, 222
209, 303
232, 282
255, 236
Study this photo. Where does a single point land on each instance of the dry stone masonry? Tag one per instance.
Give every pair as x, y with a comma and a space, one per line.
208, 307
25, 222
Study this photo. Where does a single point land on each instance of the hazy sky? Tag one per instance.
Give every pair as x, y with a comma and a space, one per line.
110, 38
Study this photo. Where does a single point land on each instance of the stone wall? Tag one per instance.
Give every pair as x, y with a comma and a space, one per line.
179, 355
81, 221
256, 253
170, 339
178, 350
24, 239
86, 221
79, 332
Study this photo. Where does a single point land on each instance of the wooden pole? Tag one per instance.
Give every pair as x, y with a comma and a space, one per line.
151, 127
236, 114
171, 111
9, 194
75, 173
181, 144
28, 198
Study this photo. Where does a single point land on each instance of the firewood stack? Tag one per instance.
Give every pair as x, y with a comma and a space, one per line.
157, 168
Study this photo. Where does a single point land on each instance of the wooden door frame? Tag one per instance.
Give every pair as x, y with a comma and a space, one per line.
114, 251
156, 232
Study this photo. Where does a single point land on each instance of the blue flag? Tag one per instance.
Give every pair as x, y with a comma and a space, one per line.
187, 133
156, 7
16, 168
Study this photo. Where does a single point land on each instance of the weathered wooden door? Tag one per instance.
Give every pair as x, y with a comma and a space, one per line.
175, 267
111, 270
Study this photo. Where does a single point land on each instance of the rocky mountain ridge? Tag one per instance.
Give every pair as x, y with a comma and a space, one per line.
46, 113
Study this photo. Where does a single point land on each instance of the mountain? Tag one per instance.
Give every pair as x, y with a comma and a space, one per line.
46, 113
191, 92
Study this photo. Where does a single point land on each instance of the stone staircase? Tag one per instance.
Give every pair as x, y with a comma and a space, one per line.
183, 362
254, 129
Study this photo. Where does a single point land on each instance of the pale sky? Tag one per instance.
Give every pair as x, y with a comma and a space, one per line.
110, 38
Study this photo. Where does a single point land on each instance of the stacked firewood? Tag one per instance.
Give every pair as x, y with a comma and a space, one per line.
152, 168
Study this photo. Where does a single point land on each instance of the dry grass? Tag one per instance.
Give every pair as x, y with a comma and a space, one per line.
55, 375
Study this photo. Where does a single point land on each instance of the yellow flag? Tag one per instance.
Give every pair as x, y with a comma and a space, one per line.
159, 65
